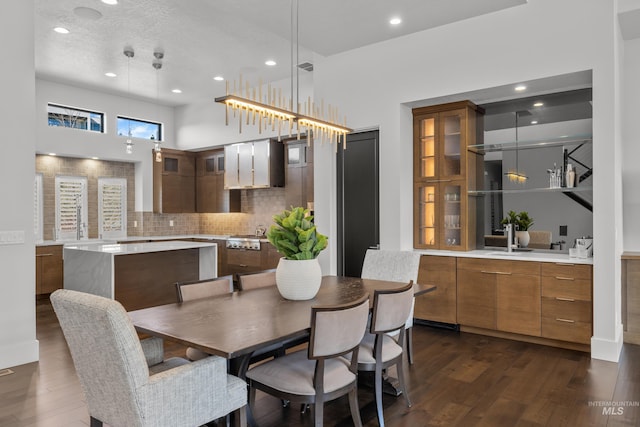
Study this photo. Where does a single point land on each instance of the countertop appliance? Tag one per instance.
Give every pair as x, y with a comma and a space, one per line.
584, 246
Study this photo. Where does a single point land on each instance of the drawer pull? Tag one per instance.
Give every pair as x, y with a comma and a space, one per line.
243, 265
495, 272
44, 255
566, 320
564, 263
565, 278
565, 299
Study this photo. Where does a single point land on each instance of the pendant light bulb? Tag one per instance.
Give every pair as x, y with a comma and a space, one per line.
129, 146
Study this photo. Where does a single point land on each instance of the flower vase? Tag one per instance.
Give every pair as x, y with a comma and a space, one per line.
298, 279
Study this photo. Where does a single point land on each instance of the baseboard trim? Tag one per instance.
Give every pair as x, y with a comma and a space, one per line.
608, 350
19, 354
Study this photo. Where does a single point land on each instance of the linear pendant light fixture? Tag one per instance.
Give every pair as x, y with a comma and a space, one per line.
515, 175
157, 65
271, 109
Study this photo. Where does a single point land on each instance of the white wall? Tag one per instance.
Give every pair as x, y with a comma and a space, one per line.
631, 149
370, 84
108, 145
18, 344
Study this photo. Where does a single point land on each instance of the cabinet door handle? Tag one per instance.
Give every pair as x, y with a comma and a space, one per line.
565, 278
566, 320
496, 272
565, 299
564, 263
44, 255
243, 265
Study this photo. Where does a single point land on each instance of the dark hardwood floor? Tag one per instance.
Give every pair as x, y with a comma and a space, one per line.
458, 379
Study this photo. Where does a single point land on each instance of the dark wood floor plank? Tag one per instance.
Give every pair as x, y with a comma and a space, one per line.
458, 380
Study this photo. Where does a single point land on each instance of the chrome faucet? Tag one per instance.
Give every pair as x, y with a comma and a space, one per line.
508, 229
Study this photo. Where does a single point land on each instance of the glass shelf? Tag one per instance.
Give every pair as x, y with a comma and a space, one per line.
531, 190
531, 144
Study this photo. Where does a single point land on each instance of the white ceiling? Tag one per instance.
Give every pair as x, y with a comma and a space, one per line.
204, 38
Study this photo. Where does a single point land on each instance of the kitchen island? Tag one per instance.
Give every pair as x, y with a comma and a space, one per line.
138, 275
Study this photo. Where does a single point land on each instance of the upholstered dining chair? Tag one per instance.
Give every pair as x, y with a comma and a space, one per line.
188, 291
398, 266
320, 373
126, 382
378, 350
257, 279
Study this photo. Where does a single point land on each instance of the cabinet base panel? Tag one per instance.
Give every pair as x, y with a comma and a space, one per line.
434, 324
535, 340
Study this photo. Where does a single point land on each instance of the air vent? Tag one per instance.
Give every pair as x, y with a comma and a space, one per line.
307, 66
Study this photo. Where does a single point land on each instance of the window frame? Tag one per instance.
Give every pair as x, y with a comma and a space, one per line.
160, 128
71, 234
122, 232
89, 116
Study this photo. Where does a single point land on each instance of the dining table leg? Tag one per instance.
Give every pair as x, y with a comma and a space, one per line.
238, 367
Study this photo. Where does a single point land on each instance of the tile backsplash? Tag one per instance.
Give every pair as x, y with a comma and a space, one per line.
258, 205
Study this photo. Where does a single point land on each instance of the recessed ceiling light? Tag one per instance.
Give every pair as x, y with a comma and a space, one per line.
520, 88
111, 2
538, 104
270, 62
534, 122
218, 78
110, 74
61, 30
52, 154
176, 91
395, 21
94, 158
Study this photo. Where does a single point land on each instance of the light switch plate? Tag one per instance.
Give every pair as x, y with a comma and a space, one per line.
11, 237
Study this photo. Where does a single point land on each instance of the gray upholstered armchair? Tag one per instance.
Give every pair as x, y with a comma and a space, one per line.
127, 383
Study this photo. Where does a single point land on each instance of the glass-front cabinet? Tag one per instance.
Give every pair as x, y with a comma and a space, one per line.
444, 171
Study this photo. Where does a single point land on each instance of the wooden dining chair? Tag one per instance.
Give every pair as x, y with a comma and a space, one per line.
397, 266
188, 291
257, 279
320, 373
378, 350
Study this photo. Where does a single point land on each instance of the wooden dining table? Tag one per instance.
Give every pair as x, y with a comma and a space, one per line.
235, 325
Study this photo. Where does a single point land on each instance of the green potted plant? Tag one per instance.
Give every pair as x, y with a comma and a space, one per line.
521, 223
294, 235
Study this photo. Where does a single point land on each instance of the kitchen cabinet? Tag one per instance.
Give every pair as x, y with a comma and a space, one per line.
298, 174
256, 164
438, 305
211, 196
49, 269
444, 170
499, 295
174, 182
567, 302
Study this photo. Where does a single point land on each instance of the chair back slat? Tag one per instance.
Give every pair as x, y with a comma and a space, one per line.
256, 280
391, 308
397, 266
188, 291
339, 329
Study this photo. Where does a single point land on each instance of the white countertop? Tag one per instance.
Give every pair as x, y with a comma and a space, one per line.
137, 248
131, 239
515, 256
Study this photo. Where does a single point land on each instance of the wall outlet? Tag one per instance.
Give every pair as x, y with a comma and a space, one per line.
170, 223
135, 224
563, 230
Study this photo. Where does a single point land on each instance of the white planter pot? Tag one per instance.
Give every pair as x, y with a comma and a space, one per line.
523, 238
298, 280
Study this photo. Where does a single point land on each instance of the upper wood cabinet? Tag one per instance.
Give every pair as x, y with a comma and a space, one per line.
211, 197
443, 172
174, 182
256, 164
298, 173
